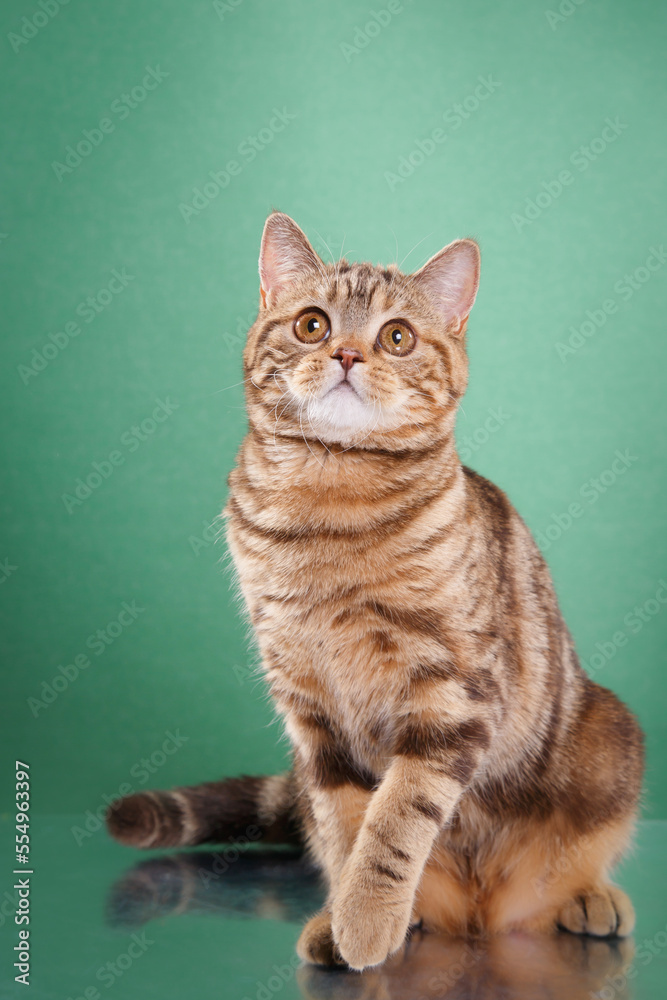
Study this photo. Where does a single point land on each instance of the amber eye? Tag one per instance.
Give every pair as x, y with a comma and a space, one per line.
311, 326
396, 338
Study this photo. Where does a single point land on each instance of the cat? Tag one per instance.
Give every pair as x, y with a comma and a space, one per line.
453, 765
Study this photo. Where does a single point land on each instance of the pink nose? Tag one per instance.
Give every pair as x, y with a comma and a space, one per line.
347, 356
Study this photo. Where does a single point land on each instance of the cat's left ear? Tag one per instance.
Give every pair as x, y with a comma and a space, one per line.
284, 256
451, 279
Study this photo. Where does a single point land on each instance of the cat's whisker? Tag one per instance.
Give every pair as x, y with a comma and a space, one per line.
356, 443
414, 248
312, 395
377, 421
393, 232
268, 376
303, 434
415, 366
275, 424
286, 393
274, 411
328, 248
424, 395
234, 386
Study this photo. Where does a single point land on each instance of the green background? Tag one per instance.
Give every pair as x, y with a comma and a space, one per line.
173, 333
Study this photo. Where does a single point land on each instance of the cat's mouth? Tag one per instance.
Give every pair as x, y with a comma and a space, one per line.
343, 412
344, 386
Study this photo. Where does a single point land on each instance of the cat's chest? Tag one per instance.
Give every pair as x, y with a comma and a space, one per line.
341, 659
337, 621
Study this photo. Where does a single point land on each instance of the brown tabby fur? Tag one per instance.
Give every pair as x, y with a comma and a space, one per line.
453, 764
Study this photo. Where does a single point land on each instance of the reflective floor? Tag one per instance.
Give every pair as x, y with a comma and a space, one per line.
224, 924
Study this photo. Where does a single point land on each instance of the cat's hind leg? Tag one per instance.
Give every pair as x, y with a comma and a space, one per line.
602, 912
542, 879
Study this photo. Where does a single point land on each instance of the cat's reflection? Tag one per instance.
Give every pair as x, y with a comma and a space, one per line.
508, 967
278, 884
282, 885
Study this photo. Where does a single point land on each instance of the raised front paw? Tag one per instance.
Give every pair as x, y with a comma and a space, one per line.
370, 919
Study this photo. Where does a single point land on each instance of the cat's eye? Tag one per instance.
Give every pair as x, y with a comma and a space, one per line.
397, 338
312, 326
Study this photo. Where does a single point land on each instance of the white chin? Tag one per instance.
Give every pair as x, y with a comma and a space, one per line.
342, 416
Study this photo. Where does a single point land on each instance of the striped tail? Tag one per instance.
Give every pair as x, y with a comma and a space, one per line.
258, 808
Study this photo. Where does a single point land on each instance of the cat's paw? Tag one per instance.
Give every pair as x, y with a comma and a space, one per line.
368, 925
316, 943
602, 912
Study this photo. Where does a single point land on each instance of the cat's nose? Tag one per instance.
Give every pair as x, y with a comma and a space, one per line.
347, 356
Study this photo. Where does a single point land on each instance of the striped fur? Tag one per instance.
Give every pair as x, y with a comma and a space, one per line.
453, 764
211, 813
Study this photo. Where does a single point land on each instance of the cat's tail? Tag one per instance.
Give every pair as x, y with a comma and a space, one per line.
217, 811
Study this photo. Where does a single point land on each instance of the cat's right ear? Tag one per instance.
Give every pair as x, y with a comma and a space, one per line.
284, 256
451, 279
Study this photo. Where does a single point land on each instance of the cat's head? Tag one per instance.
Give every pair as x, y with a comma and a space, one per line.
357, 355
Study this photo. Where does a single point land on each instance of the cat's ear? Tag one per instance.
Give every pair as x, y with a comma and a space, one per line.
285, 254
451, 279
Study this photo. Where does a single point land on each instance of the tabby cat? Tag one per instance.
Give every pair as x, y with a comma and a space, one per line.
454, 766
